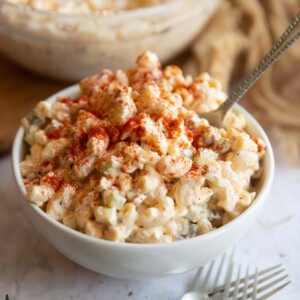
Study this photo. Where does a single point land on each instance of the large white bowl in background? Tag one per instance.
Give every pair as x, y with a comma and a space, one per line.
73, 46
140, 261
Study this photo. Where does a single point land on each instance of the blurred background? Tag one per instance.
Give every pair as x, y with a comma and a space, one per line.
48, 45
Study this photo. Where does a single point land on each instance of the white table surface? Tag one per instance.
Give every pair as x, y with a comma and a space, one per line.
31, 269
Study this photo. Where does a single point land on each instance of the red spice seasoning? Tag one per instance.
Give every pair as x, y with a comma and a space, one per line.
53, 181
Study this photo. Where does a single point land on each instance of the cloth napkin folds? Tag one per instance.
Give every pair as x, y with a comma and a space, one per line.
233, 42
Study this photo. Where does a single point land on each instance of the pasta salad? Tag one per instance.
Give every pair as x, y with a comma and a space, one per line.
130, 160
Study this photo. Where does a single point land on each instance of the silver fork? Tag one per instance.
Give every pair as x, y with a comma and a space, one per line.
257, 287
204, 292
264, 281
291, 34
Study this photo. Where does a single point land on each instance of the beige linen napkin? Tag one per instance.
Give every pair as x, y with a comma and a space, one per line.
231, 45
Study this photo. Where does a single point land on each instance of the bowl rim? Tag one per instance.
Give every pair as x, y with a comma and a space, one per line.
73, 90
130, 12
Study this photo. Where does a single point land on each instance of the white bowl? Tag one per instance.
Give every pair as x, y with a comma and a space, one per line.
70, 46
140, 261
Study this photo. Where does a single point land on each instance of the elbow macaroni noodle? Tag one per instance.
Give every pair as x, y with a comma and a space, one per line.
129, 160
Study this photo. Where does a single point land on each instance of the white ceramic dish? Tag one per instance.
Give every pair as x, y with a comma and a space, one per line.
73, 46
140, 261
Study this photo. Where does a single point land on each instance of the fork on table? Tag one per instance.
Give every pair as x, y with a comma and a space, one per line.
259, 285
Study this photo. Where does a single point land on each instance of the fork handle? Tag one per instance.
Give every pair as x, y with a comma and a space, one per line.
291, 34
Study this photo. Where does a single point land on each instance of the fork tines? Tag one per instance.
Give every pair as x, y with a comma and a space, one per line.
260, 285
256, 285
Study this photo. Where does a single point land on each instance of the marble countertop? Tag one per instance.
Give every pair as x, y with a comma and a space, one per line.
32, 269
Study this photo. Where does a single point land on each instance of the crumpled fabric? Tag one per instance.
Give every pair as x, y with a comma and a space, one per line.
236, 38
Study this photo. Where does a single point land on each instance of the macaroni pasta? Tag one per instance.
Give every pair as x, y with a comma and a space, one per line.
129, 159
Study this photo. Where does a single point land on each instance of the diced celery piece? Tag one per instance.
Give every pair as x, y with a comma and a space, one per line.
113, 198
